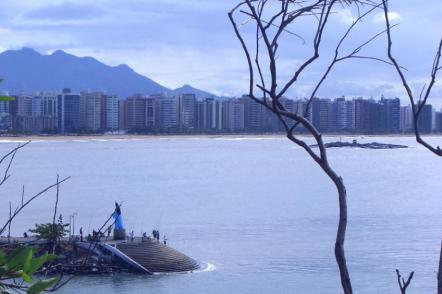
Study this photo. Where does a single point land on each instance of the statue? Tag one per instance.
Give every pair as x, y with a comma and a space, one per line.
119, 231
117, 217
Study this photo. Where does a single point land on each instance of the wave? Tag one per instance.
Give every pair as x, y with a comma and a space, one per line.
205, 267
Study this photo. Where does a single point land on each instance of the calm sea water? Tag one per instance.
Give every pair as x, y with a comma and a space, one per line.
257, 210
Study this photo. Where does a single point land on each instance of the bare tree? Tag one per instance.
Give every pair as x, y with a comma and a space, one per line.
417, 105
19, 276
417, 102
271, 21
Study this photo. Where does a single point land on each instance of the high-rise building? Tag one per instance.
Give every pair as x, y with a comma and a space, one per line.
362, 115
300, 108
315, 107
406, 124
209, 114
24, 105
90, 111
233, 115
110, 113
425, 120
325, 115
139, 113
351, 120
339, 115
44, 104
136, 112
68, 112
253, 115
376, 119
438, 126
5, 106
392, 114
5, 117
151, 112
200, 115
122, 115
166, 108
273, 122
289, 104
187, 111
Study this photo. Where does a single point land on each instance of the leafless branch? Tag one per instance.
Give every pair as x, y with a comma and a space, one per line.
403, 285
289, 12
9, 225
11, 154
26, 203
54, 231
416, 106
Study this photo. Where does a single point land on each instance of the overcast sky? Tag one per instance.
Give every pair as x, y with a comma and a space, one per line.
191, 41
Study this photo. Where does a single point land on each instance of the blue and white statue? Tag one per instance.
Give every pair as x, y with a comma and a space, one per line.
117, 217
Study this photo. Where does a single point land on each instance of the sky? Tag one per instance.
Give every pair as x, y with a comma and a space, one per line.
178, 42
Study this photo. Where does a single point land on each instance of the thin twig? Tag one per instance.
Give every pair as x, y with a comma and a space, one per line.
54, 231
26, 203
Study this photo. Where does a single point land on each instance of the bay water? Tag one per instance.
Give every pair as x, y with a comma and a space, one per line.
256, 211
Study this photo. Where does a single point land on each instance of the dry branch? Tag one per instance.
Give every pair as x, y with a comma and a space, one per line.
26, 203
290, 12
416, 104
403, 284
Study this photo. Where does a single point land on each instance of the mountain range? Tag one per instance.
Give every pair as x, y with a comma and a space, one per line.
29, 71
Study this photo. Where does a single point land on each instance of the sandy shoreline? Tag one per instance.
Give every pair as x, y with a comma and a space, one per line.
193, 136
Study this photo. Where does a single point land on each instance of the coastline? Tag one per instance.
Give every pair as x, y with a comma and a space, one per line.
116, 137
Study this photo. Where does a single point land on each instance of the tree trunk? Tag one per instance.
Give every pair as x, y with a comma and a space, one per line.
342, 228
439, 275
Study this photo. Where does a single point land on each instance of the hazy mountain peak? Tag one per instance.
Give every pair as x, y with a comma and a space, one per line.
26, 70
29, 50
58, 52
25, 52
188, 89
124, 67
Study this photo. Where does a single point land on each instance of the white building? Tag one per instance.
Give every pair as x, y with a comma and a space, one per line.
44, 104
90, 111
406, 119
111, 112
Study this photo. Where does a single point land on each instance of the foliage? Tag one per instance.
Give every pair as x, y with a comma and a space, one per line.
51, 232
17, 270
4, 97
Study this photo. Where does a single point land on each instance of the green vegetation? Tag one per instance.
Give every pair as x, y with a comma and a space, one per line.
17, 270
51, 232
5, 98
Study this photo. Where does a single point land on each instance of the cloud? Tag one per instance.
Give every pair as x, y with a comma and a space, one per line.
191, 41
65, 12
380, 17
346, 16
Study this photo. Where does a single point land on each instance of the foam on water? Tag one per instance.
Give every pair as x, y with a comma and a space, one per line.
205, 267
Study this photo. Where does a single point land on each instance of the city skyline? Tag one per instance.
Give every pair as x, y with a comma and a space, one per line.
85, 112
174, 49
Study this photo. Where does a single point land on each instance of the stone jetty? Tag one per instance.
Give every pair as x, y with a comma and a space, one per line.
355, 144
157, 257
